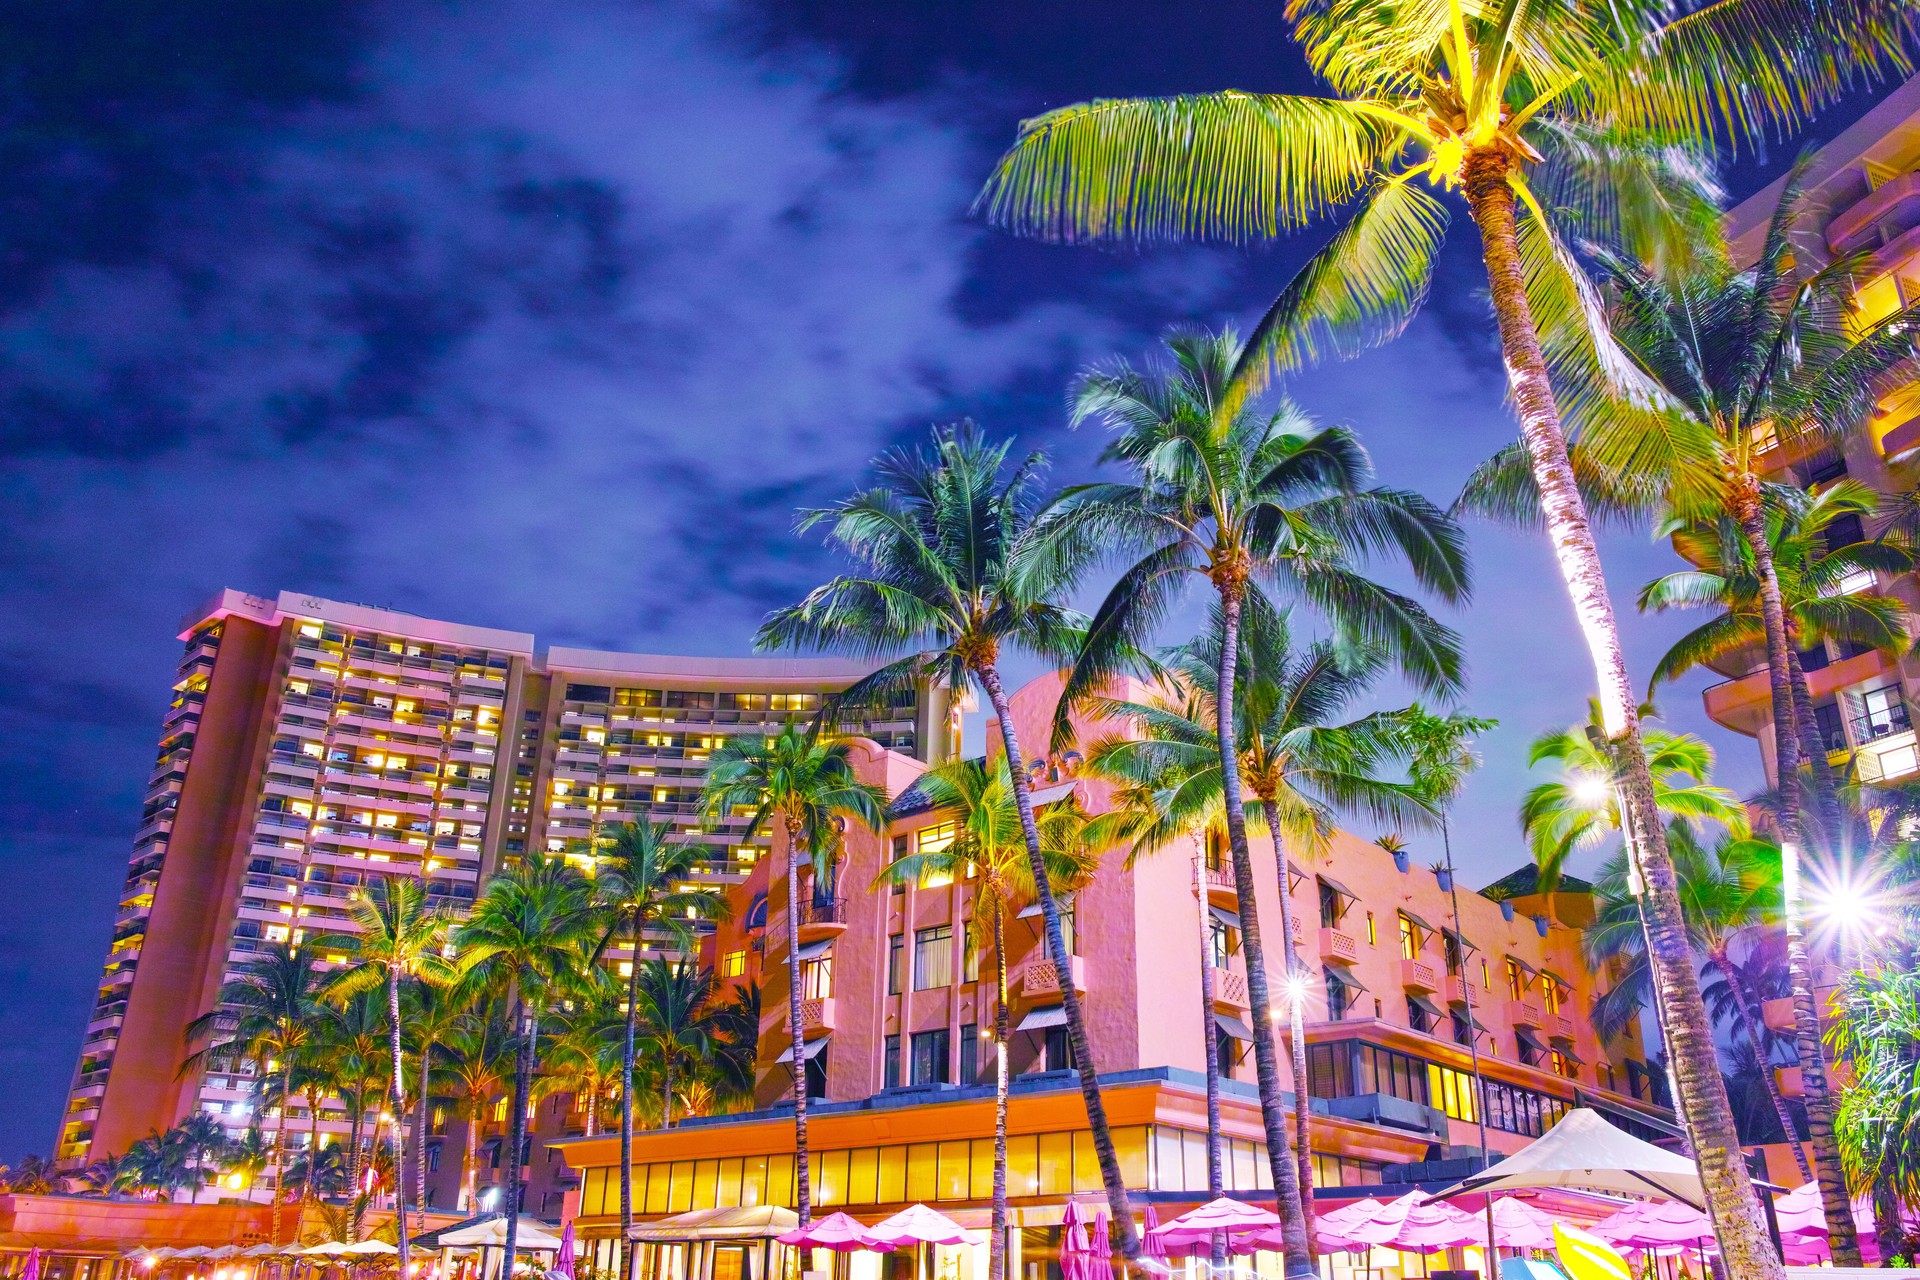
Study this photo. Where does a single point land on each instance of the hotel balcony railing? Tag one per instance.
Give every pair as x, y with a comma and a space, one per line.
816, 1017
1524, 1013
1230, 989
1456, 988
1884, 722
1558, 1024
1038, 977
1339, 945
1418, 975
1220, 881
819, 917
1778, 1015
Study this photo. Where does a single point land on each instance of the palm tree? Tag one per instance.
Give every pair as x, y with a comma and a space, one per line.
479, 1066
1580, 806
809, 785
527, 939
1877, 1033
990, 843
1498, 101
1225, 491
954, 572
681, 1020
583, 1056
433, 1014
1298, 760
1729, 890
353, 1036
396, 941
638, 890
265, 1012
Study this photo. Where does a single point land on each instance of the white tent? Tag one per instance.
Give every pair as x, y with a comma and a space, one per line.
1583, 1150
493, 1232
743, 1222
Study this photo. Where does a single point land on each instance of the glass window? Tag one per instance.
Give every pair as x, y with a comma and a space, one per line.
706, 1176
753, 1180
680, 1198
1373, 931
1168, 1174
734, 964
969, 1053
1338, 998
933, 957
930, 1049
1550, 992
1332, 906
1454, 951
956, 1180
890, 1063
1220, 942
816, 978
982, 1177
659, 1185
892, 1185
938, 839
969, 955
1409, 939
829, 1176
923, 1170
1023, 1164
1130, 1147
896, 949
1516, 979
1056, 1164
1086, 1163
727, 1187
780, 1180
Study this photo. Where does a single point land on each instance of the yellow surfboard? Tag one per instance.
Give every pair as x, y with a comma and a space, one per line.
1588, 1257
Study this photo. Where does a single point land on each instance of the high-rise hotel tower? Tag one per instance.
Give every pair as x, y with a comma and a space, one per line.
313, 745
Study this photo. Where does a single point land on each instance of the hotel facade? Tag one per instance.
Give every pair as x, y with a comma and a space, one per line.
898, 1002
311, 745
1861, 195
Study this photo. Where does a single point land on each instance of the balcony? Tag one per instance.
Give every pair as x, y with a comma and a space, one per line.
1745, 705
1456, 989
1525, 1013
816, 1018
822, 919
1418, 975
1558, 1025
1038, 977
1853, 227
1229, 990
1779, 1014
1338, 946
1221, 889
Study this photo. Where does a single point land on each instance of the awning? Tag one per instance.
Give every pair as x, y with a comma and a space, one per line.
1032, 910
1529, 1039
1231, 919
756, 1222
1418, 923
1233, 1027
1340, 977
1460, 940
814, 1048
1295, 874
1516, 960
1339, 888
814, 950
1053, 1015
1565, 1045
1425, 1005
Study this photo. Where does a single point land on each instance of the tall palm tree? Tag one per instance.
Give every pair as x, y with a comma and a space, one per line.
809, 786
1301, 763
1877, 1033
527, 940
680, 1012
736, 1028
952, 573
1584, 100
638, 887
433, 1013
480, 1063
1579, 806
396, 941
1729, 889
355, 1037
583, 1056
990, 842
1222, 490
265, 1012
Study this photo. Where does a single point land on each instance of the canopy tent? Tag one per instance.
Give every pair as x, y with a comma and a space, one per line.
1583, 1150
492, 1233
738, 1222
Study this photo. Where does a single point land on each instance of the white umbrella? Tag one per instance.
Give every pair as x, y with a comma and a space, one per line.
325, 1249
370, 1247
493, 1232
1583, 1150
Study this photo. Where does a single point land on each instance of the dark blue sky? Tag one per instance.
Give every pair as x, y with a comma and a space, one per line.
546, 317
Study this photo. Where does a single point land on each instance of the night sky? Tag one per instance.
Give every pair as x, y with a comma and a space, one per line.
547, 316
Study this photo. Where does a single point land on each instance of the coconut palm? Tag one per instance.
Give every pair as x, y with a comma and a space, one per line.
680, 1025
432, 1013
1583, 101
1730, 890
952, 574
736, 1029
582, 1059
808, 785
1223, 490
1877, 1033
990, 844
1580, 806
480, 1064
639, 890
527, 940
354, 1038
397, 940
265, 1011
1301, 763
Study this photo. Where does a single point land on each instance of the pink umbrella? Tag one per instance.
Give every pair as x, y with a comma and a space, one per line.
1150, 1242
917, 1224
1655, 1224
32, 1271
1329, 1228
1100, 1246
1415, 1224
1518, 1225
1073, 1251
1195, 1228
563, 1261
836, 1231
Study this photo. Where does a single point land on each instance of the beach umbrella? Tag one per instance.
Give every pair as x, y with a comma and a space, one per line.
1073, 1252
192, 1251
1518, 1225
161, 1254
1150, 1243
917, 1224
839, 1232
1195, 1228
563, 1261
32, 1271
224, 1251
1655, 1224
369, 1247
1415, 1224
1100, 1245
1329, 1228
325, 1249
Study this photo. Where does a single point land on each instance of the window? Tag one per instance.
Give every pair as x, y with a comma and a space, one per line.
1409, 939
734, 964
970, 1053
1527, 1048
1220, 940
1451, 1091
1516, 979
933, 957
1218, 858
1067, 931
1462, 1027
1339, 996
1522, 1111
816, 1068
890, 1063
1454, 949
1332, 906
1058, 1050
969, 955
816, 979
1563, 1064
433, 1158
938, 839
1419, 1018
899, 852
930, 1056
1550, 993
1373, 931
896, 949
1486, 974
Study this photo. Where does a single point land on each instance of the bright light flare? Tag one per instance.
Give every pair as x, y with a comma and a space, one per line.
1592, 789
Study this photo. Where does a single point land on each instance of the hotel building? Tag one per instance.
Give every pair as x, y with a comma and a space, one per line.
898, 1003
1862, 195
312, 745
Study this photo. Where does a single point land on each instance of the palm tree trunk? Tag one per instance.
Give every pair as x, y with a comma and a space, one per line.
1216, 1186
359, 1105
399, 1120
523, 1060
1786, 746
1296, 1031
1231, 582
280, 1145
666, 1091
997, 1246
1744, 1243
470, 1164
420, 1131
627, 1250
313, 1151
1887, 1229
1749, 1013
802, 1191
988, 674
1814, 748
